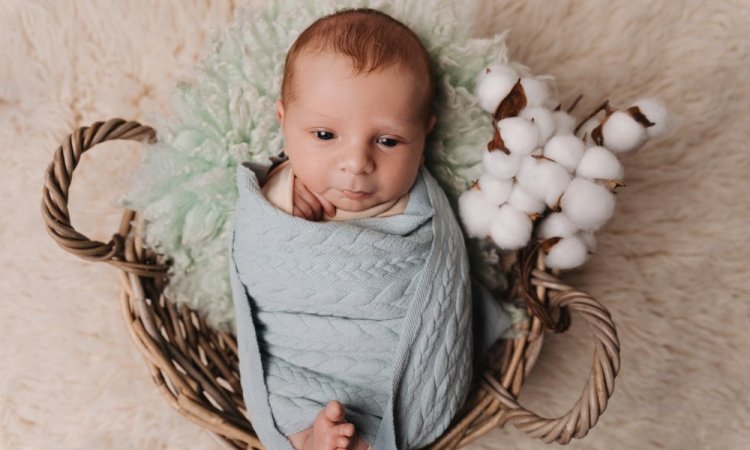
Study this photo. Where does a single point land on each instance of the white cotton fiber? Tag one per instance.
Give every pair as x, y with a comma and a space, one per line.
567, 253
565, 149
519, 135
598, 162
510, 228
588, 239
587, 204
544, 179
537, 91
656, 112
556, 224
586, 129
494, 86
523, 201
564, 122
542, 119
475, 212
495, 191
621, 133
500, 164
527, 175
553, 181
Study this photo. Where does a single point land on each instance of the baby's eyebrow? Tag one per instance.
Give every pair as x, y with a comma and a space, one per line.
397, 124
400, 125
320, 114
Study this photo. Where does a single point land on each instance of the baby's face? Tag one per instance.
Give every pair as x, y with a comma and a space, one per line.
356, 141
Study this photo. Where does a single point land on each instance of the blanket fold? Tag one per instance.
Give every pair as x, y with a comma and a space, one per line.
373, 312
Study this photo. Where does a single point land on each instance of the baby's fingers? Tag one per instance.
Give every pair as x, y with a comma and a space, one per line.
303, 201
302, 209
299, 212
328, 206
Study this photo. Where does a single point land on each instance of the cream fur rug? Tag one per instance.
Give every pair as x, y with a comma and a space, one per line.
671, 265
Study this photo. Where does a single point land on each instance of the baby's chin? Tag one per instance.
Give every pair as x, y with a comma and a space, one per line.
341, 201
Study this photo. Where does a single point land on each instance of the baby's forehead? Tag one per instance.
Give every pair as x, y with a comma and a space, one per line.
409, 73
403, 67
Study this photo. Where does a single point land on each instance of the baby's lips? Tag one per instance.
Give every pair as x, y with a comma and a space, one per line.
355, 195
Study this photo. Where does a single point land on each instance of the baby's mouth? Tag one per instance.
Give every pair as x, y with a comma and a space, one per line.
355, 195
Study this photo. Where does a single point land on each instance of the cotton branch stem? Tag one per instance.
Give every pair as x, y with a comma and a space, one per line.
596, 111
575, 103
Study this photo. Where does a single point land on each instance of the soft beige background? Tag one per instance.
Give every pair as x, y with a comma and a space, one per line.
671, 265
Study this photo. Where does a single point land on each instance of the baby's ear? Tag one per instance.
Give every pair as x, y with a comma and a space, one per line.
280, 112
433, 119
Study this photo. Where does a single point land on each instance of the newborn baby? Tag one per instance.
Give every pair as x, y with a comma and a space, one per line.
354, 144
356, 106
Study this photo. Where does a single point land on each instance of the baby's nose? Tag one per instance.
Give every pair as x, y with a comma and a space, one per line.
357, 160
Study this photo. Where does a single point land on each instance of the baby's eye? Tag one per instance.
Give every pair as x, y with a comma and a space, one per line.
388, 142
323, 135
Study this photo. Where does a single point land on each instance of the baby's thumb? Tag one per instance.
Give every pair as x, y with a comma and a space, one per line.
329, 208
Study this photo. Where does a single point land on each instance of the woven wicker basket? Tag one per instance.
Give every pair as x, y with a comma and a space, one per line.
196, 368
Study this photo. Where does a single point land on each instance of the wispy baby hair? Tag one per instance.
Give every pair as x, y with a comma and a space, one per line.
372, 40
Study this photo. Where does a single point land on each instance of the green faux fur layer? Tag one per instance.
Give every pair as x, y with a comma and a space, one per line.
185, 187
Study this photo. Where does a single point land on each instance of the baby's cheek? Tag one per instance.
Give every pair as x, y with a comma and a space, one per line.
318, 187
399, 180
307, 178
315, 181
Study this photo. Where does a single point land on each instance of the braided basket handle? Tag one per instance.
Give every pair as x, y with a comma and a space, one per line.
57, 181
600, 385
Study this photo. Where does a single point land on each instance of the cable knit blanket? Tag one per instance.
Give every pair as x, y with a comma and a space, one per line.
373, 312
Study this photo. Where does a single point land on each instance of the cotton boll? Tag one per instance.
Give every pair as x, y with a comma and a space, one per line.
556, 224
586, 129
587, 204
567, 253
500, 164
553, 100
655, 112
522, 200
510, 228
564, 122
543, 120
588, 239
494, 190
475, 211
519, 135
527, 175
494, 86
544, 179
598, 162
553, 180
537, 91
565, 149
622, 133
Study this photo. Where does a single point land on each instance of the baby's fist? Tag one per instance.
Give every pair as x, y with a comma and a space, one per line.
308, 205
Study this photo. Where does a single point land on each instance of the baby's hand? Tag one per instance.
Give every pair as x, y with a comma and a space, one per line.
308, 205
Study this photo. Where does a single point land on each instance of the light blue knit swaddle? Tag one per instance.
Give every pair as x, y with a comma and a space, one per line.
372, 312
